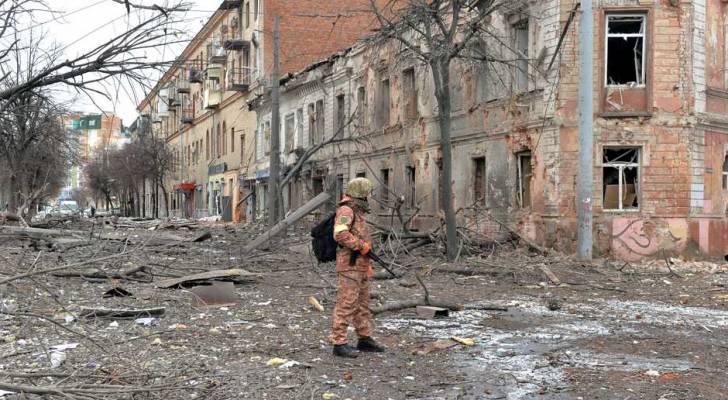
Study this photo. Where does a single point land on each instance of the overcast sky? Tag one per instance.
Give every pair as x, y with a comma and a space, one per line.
85, 23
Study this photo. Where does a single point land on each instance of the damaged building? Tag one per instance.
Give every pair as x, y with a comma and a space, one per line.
199, 106
660, 164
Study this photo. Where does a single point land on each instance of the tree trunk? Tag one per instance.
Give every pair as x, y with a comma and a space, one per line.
166, 198
441, 75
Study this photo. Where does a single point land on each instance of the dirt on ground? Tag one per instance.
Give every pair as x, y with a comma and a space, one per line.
602, 330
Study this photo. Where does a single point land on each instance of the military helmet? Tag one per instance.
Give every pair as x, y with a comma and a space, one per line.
359, 188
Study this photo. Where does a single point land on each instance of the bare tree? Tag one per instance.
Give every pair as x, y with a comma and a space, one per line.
437, 32
35, 149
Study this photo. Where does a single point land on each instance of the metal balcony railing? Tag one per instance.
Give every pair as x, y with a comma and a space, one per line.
216, 53
195, 75
188, 115
239, 79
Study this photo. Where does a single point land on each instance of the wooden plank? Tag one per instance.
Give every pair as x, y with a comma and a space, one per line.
234, 275
552, 277
301, 212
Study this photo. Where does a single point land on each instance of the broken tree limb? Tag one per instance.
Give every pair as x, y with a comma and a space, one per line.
36, 233
301, 212
235, 275
404, 304
120, 313
62, 267
98, 274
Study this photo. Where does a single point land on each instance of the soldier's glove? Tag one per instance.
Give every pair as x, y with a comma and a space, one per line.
366, 248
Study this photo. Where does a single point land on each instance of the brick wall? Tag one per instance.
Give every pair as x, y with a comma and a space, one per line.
312, 30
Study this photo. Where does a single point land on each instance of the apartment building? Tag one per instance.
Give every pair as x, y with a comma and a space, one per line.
200, 104
660, 102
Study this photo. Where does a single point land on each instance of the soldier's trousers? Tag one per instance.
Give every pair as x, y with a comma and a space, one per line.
352, 305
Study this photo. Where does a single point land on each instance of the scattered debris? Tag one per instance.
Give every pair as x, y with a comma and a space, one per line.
215, 293
440, 344
315, 303
117, 292
432, 312
464, 341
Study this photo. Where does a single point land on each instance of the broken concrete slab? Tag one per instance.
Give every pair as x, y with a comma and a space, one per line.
236, 275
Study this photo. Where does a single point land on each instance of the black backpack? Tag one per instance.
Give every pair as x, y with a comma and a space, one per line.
323, 243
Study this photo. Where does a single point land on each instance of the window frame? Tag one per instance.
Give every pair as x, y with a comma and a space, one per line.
644, 35
621, 166
519, 178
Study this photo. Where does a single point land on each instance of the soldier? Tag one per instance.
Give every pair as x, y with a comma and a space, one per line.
355, 271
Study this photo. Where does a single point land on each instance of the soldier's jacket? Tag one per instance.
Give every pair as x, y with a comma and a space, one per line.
350, 232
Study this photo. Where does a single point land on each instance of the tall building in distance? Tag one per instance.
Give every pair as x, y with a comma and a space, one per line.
95, 133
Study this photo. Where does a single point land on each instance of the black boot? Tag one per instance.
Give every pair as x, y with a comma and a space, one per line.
346, 351
368, 344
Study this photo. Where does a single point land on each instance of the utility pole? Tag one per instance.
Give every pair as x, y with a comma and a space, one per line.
585, 182
275, 138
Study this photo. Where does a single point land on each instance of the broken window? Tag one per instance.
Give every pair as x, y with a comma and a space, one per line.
232, 139
289, 129
411, 173
318, 185
385, 185
340, 113
299, 127
524, 179
266, 135
361, 174
311, 124
339, 186
320, 126
725, 173
520, 44
620, 178
409, 89
625, 49
383, 104
479, 181
361, 99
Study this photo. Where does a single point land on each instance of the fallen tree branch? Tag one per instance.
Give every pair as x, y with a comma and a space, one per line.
404, 304
97, 274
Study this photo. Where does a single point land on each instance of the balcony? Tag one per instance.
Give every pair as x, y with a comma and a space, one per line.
212, 98
195, 76
239, 79
174, 99
216, 53
236, 42
230, 4
183, 86
213, 72
188, 115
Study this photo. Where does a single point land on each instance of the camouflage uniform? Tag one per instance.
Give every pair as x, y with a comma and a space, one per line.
352, 296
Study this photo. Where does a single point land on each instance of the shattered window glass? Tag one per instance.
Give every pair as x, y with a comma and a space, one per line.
625, 50
620, 178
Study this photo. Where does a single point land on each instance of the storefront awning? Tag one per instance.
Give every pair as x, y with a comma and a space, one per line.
185, 186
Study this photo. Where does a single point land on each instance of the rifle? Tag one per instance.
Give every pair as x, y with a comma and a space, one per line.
355, 255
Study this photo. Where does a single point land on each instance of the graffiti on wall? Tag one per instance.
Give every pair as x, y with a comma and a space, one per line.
635, 238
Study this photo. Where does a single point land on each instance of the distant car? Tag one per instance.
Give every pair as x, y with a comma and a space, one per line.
68, 207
